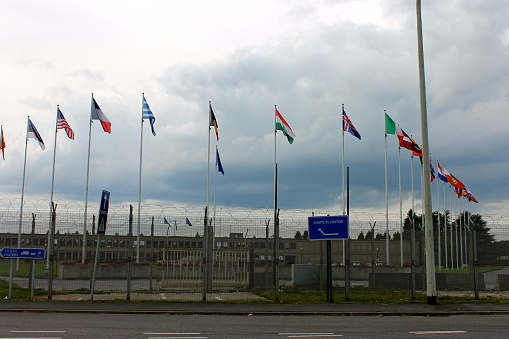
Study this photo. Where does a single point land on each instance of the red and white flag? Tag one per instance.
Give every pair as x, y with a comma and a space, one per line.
97, 114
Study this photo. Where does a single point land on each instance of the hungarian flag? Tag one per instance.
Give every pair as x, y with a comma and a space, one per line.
213, 121
406, 142
97, 114
2, 142
441, 174
283, 126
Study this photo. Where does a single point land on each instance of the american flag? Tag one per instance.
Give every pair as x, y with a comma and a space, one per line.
62, 123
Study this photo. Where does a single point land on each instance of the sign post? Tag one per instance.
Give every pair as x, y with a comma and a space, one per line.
25, 253
328, 228
101, 229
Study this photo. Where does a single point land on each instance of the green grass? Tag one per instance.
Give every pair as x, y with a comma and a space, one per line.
18, 293
24, 269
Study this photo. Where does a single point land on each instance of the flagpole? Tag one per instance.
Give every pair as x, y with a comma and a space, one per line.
461, 233
438, 216
456, 231
451, 233
88, 176
139, 187
206, 220
343, 172
52, 187
276, 222
215, 183
386, 199
400, 210
22, 194
445, 231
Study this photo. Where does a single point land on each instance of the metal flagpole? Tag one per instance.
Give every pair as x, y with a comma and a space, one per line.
400, 210
451, 233
88, 175
215, 183
22, 194
343, 171
206, 220
52, 188
386, 201
456, 232
139, 187
276, 223
461, 233
431, 290
438, 215
412, 232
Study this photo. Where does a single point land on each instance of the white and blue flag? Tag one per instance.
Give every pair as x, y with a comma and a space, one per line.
147, 114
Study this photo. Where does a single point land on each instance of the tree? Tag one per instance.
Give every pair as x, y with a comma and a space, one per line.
369, 235
298, 236
305, 235
361, 236
396, 236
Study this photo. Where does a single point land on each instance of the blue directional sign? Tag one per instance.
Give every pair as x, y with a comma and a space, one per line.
26, 253
103, 212
328, 228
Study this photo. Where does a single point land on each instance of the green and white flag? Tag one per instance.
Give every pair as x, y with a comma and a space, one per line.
390, 125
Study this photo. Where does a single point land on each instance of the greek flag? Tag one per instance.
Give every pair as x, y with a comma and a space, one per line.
147, 114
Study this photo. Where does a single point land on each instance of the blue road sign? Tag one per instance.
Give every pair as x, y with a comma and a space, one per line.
27, 253
103, 212
328, 228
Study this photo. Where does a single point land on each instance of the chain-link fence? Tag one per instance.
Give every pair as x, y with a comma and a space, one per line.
171, 257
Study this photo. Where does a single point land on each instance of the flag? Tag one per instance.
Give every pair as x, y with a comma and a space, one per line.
218, 163
2, 142
283, 126
441, 175
33, 133
452, 180
97, 114
349, 127
390, 125
406, 142
460, 192
188, 222
62, 123
431, 170
166, 222
176, 225
147, 114
213, 121
470, 196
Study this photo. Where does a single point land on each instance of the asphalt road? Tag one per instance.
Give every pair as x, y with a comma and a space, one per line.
71, 325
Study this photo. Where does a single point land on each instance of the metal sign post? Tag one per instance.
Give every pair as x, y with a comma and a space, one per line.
25, 253
101, 229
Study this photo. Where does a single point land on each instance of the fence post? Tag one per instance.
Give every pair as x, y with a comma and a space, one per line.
476, 273
32, 263
51, 249
130, 255
151, 253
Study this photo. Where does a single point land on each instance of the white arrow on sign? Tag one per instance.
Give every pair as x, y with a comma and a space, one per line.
327, 233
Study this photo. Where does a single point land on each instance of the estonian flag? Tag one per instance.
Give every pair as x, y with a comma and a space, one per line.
33, 133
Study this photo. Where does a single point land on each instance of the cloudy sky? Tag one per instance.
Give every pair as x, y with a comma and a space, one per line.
306, 57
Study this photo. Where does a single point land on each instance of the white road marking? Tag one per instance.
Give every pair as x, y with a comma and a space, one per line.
310, 335
437, 332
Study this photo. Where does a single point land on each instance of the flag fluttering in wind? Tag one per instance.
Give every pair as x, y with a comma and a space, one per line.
97, 114
390, 125
470, 196
441, 174
147, 114
33, 133
166, 222
431, 170
407, 142
176, 225
283, 126
188, 223
213, 121
62, 123
218, 163
452, 180
349, 127
2, 142
460, 192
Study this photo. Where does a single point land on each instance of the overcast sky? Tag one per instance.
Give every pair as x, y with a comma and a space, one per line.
306, 57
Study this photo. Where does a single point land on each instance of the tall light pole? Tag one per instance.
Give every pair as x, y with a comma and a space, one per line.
431, 290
